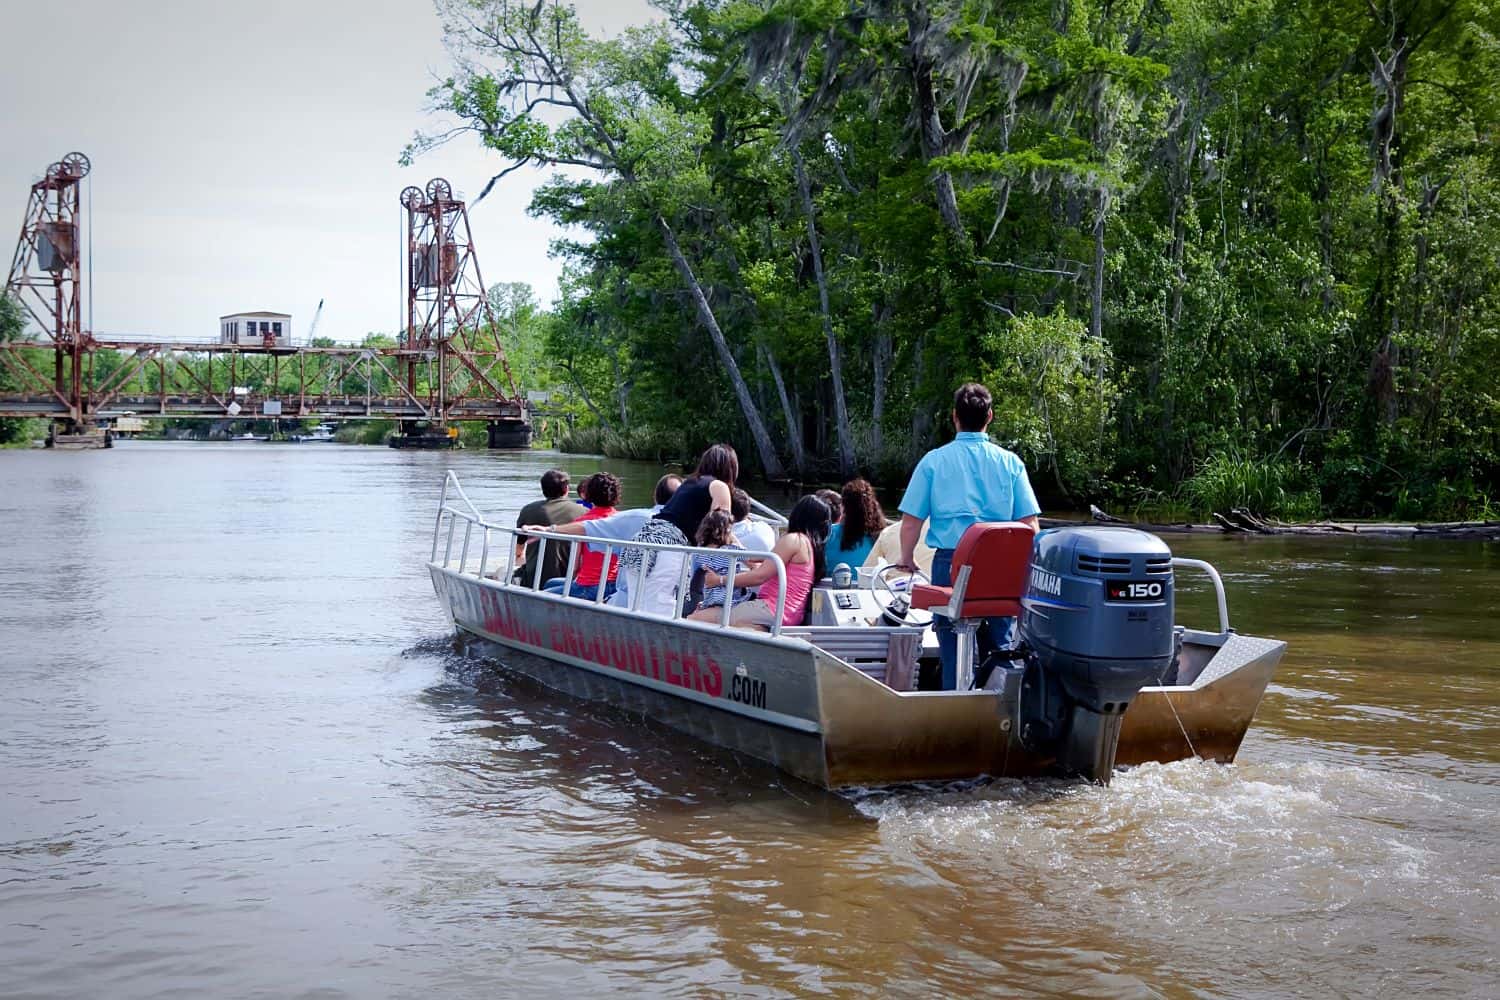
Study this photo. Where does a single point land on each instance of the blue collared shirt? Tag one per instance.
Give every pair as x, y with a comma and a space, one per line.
969, 480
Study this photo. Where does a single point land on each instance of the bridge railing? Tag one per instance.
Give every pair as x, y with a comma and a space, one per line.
450, 515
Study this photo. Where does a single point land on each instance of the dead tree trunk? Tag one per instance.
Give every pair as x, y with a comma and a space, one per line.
770, 461
835, 356
932, 136
788, 412
877, 396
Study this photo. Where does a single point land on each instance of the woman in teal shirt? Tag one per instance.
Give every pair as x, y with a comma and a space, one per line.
851, 540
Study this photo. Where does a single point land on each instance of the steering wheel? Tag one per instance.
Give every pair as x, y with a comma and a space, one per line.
895, 606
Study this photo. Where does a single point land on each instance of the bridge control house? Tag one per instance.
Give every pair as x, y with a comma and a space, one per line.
256, 329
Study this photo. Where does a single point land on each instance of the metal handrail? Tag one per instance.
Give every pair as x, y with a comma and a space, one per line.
768, 513
1218, 582
473, 519
452, 480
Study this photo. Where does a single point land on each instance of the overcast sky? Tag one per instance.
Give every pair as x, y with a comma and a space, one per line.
244, 155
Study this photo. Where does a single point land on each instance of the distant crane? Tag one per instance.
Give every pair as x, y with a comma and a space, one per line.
312, 327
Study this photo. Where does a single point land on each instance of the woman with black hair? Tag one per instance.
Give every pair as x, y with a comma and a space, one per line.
801, 552
710, 488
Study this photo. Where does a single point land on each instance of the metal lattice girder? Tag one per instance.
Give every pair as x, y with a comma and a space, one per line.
450, 326
197, 380
448, 363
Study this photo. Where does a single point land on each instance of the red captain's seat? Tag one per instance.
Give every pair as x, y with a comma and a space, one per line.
997, 555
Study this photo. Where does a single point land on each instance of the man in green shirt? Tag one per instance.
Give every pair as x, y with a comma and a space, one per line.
553, 509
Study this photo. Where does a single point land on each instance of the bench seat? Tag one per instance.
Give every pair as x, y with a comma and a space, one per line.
886, 654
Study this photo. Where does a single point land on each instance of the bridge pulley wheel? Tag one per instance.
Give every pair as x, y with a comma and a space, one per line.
439, 189
75, 165
412, 198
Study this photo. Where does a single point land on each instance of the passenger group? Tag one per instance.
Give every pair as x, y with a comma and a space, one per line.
967, 481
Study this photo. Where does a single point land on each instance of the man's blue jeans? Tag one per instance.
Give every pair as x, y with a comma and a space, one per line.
993, 632
581, 591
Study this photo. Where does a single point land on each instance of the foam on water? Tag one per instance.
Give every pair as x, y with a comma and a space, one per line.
1274, 856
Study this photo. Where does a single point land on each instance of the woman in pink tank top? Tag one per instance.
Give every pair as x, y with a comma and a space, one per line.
801, 551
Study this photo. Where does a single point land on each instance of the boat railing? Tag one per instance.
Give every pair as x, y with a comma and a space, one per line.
1218, 583
450, 514
768, 514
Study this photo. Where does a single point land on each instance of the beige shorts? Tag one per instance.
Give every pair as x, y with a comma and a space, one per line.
756, 613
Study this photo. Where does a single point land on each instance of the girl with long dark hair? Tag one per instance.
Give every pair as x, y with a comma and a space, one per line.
801, 552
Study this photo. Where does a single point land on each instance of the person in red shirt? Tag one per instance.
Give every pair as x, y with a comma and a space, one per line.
603, 491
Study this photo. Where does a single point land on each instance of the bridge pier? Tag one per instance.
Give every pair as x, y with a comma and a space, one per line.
509, 434
414, 434
74, 435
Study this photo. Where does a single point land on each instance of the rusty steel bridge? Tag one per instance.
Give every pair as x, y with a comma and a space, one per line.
447, 365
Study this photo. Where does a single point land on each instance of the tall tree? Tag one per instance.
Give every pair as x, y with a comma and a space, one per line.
621, 116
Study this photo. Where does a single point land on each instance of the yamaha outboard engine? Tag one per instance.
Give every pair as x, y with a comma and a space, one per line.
1097, 619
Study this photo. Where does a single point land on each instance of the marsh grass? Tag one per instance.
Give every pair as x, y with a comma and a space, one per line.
642, 443
1268, 487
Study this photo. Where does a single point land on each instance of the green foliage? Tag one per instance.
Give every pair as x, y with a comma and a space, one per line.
13, 432
1054, 397
1197, 249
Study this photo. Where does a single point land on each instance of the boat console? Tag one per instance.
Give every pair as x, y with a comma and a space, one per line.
844, 606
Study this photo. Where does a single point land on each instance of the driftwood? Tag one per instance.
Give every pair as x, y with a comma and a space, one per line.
1240, 521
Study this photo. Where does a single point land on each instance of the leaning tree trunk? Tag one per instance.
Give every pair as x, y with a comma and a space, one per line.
769, 460
877, 400
835, 357
788, 413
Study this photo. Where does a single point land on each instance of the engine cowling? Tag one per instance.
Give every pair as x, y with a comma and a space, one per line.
1097, 618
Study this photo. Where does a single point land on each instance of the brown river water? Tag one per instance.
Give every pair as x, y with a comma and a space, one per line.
239, 759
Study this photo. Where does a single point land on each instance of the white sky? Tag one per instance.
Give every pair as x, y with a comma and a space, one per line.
244, 155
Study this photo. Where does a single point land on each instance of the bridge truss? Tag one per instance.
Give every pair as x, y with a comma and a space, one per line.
448, 364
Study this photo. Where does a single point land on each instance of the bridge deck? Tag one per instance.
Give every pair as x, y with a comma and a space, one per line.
252, 407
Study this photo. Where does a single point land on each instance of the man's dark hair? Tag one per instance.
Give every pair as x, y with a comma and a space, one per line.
971, 404
665, 487
721, 462
604, 489
554, 484
739, 505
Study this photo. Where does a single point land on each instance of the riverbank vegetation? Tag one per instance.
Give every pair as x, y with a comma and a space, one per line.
1200, 249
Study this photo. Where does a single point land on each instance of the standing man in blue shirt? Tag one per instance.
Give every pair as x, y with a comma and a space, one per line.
967, 481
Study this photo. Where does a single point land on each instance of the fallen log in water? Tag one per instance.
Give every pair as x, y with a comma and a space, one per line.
1242, 522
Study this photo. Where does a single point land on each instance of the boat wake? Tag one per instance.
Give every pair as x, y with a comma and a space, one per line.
1279, 855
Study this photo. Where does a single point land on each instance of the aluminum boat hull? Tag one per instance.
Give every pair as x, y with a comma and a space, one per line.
786, 701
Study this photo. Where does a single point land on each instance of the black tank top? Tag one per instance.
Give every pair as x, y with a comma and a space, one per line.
689, 506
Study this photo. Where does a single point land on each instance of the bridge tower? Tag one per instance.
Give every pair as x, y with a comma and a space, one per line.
449, 351
47, 278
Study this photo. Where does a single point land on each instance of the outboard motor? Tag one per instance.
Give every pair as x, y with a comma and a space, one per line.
1097, 620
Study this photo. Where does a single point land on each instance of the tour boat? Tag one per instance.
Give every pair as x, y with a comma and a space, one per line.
1101, 676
